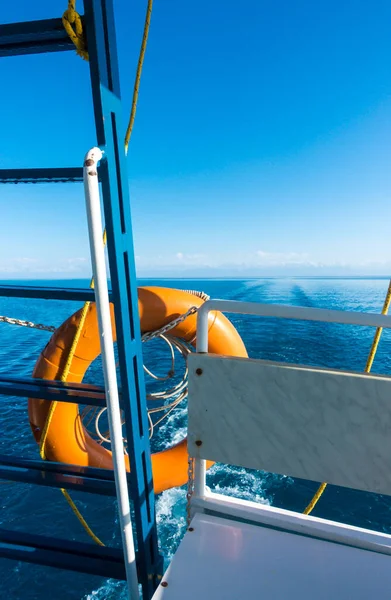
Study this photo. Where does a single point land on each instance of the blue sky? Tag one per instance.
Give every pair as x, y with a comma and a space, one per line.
261, 143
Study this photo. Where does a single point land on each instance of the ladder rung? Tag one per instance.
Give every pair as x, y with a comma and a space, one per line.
34, 37
52, 175
76, 393
64, 554
48, 293
57, 475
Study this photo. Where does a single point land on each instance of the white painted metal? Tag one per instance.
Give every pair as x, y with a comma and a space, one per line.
202, 328
95, 229
199, 476
314, 424
280, 554
226, 560
200, 463
290, 521
283, 312
279, 311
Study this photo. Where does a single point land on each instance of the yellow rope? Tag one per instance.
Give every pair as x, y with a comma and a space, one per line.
379, 331
138, 74
315, 499
67, 366
73, 25
72, 18
81, 518
53, 405
368, 367
64, 374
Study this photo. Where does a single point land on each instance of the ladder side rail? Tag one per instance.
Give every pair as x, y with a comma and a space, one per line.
99, 18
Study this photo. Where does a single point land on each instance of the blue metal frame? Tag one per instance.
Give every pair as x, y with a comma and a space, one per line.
57, 475
102, 49
44, 389
49, 36
34, 37
49, 293
64, 554
52, 175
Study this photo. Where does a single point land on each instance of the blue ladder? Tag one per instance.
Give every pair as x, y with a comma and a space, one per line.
49, 36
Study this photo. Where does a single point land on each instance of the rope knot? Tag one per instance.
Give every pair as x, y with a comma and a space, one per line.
74, 27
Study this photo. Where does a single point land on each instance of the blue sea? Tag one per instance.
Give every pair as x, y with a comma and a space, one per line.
44, 510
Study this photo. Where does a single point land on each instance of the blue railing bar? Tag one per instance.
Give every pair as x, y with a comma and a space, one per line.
48, 293
76, 393
57, 475
56, 467
34, 37
63, 554
50, 175
66, 385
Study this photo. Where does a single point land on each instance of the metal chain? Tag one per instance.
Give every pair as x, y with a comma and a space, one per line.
145, 337
201, 295
190, 487
152, 334
30, 324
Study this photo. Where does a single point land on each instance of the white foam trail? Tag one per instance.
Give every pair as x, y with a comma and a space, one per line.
110, 590
171, 520
173, 429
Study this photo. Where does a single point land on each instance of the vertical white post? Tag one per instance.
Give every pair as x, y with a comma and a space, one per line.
202, 327
94, 217
201, 347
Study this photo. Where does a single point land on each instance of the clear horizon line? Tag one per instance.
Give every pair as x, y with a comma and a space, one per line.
204, 278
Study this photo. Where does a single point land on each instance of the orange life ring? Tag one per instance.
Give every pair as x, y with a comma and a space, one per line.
67, 440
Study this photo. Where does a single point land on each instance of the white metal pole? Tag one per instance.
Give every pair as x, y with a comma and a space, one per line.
202, 327
94, 217
201, 346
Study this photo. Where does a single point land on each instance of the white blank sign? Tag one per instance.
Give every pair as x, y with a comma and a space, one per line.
316, 424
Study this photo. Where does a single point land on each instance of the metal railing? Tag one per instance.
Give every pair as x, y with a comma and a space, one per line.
272, 311
204, 500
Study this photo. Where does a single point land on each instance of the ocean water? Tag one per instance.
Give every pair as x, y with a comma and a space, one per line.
43, 510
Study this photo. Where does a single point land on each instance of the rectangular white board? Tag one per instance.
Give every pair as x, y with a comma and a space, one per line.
317, 424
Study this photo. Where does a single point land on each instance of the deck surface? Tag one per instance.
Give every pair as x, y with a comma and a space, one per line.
223, 559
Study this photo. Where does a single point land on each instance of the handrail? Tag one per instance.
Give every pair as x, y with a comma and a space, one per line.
277, 311
282, 311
